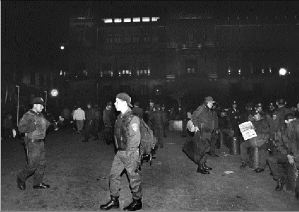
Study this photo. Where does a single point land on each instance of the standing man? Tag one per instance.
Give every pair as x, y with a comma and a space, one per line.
109, 120
34, 125
205, 123
89, 126
79, 117
127, 139
137, 110
156, 119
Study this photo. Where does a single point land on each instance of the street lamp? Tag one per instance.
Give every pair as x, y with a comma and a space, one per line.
282, 72
18, 104
46, 99
54, 92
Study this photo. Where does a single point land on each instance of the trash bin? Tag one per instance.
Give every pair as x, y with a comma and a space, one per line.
235, 147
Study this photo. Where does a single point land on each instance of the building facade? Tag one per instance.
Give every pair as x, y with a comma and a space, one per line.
185, 56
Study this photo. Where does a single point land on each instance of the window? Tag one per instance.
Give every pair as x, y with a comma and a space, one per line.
127, 20
107, 20
117, 20
191, 66
145, 19
155, 18
136, 19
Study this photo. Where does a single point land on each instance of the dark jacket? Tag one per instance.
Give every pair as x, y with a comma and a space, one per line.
34, 125
205, 119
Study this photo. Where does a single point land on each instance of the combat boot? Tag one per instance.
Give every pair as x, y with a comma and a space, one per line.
135, 205
113, 203
206, 167
202, 170
280, 184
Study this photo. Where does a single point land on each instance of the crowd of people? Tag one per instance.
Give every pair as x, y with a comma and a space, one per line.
276, 144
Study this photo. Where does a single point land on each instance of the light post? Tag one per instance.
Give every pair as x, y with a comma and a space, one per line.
18, 104
46, 100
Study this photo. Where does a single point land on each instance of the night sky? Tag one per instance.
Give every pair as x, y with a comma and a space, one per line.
32, 31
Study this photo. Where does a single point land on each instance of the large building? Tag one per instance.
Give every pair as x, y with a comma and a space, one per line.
184, 53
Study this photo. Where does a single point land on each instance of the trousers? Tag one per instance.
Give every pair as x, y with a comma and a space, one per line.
125, 160
36, 162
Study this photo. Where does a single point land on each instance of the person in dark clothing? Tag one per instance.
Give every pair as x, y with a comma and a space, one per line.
205, 122
109, 120
137, 110
234, 117
127, 140
157, 124
286, 151
34, 125
262, 129
165, 120
89, 125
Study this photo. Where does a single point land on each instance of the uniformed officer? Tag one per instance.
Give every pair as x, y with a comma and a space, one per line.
234, 117
205, 122
127, 138
286, 150
34, 125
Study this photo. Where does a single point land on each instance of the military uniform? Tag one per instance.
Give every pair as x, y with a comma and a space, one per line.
127, 135
206, 121
34, 125
286, 143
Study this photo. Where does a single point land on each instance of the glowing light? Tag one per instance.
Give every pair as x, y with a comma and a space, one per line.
127, 20
62, 47
107, 20
117, 20
145, 19
282, 71
54, 92
136, 19
155, 18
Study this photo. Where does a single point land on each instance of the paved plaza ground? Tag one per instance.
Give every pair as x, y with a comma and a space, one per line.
78, 175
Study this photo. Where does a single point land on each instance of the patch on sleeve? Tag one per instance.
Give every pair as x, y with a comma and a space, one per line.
135, 127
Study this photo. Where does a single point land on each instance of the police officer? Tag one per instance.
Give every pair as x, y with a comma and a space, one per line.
205, 122
34, 125
127, 139
234, 117
286, 151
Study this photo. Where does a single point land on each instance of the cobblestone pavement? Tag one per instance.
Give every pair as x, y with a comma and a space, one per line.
78, 175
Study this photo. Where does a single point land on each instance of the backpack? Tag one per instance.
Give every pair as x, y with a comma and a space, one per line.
148, 140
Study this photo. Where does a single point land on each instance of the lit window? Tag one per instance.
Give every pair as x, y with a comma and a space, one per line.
229, 71
119, 74
239, 71
136, 19
60, 73
145, 19
117, 20
263, 71
270, 70
107, 20
148, 72
155, 18
127, 20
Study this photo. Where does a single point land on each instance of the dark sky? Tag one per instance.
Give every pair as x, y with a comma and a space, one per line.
32, 31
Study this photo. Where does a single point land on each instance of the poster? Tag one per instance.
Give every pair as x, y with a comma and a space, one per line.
247, 130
